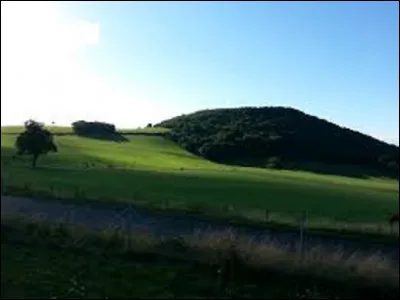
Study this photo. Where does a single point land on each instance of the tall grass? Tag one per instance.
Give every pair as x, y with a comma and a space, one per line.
231, 254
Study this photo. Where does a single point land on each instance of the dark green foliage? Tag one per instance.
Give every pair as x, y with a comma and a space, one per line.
279, 137
93, 128
149, 125
35, 141
98, 130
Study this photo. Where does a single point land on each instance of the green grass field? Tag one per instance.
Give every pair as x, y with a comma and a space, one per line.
155, 170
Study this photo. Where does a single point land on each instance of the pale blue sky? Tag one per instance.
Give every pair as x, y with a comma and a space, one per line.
146, 61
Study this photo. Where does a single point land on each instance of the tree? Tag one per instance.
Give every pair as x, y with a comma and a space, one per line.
93, 128
35, 141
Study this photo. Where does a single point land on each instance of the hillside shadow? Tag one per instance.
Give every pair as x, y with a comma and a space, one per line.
111, 137
352, 171
345, 171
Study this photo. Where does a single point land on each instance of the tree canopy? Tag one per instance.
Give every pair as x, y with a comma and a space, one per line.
93, 128
35, 141
278, 136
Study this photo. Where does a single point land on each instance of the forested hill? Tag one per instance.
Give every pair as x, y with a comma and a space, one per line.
282, 138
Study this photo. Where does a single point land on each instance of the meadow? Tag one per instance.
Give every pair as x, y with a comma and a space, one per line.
155, 171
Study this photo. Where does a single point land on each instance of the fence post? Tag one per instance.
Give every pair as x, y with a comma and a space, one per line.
2, 184
129, 219
27, 189
1, 165
266, 215
77, 193
390, 228
303, 221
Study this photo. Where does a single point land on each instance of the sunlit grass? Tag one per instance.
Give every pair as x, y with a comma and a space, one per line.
153, 169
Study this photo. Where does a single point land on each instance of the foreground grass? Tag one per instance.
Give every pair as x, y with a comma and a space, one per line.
43, 273
40, 260
154, 171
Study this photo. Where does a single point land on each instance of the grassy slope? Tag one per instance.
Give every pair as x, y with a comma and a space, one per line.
154, 169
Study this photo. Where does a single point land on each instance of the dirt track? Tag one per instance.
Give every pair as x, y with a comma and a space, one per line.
99, 218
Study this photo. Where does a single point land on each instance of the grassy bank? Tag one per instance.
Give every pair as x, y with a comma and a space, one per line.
44, 260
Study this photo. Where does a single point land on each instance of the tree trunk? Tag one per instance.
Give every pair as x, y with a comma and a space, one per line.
34, 160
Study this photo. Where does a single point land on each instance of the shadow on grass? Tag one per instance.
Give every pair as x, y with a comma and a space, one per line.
354, 171
112, 137
343, 170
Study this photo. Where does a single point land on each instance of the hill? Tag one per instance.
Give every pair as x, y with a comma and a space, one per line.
282, 137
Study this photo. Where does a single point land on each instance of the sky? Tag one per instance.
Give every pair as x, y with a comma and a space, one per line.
133, 63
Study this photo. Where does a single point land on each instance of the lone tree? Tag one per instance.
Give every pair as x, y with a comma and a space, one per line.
35, 141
